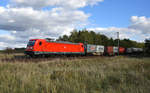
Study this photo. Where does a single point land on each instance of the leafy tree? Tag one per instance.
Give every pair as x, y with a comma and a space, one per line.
64, 38
90, 37
111, 42
104, 40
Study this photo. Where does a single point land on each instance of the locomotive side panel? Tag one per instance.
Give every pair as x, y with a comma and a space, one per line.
41, 46
63, 48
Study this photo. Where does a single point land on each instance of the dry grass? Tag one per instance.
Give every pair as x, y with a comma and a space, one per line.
92, 75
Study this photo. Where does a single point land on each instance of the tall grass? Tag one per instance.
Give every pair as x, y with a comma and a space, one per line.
91, 75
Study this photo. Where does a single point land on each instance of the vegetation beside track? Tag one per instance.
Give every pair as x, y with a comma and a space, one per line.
85, 75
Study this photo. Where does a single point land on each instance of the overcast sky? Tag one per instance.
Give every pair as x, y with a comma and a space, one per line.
21, 20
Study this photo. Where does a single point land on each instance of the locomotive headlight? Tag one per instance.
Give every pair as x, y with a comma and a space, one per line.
31, 47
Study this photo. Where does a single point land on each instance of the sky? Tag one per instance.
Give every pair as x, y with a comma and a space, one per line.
21, 20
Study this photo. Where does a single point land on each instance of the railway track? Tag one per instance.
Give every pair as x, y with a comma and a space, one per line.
22, 58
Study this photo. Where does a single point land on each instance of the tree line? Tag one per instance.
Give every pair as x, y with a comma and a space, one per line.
90, 37
9, 50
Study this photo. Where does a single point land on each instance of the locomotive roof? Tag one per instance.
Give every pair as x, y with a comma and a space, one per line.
33, 39
65, 42
51, 40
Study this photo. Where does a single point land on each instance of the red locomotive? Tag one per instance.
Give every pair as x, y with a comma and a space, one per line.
46, 46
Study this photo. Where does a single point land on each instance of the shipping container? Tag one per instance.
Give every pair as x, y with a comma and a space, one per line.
134, 50
100, 50
137, 50
95, 49
115, 50
91, 48
129, 50
141, 50
121, 50
109, 50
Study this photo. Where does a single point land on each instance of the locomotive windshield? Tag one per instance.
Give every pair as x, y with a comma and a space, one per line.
31, 43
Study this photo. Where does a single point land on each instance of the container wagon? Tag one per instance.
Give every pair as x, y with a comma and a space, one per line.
129, 51
95, 49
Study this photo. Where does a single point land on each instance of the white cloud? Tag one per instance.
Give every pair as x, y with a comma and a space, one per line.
139, 29
3, 45
112, 32
140, 23
26, 19
9, 41
6, 38
73, 4
22, 19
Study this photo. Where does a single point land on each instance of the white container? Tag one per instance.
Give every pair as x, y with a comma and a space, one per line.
100, 49
115, 50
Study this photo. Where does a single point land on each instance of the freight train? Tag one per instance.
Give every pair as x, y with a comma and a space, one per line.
50, 47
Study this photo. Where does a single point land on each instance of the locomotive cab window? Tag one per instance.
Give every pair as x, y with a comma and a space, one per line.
40, 43
31, 43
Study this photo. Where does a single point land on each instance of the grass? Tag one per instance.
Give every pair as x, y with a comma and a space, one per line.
91, 75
